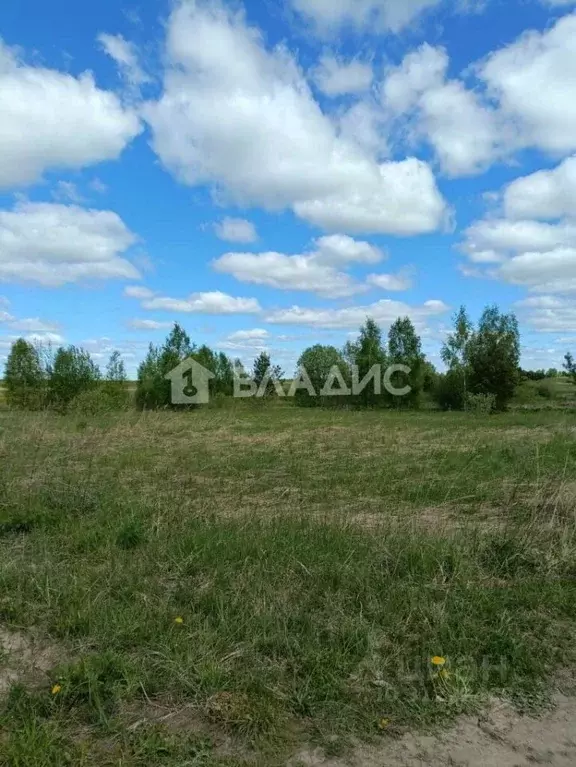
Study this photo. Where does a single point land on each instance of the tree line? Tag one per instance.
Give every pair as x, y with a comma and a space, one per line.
482, 370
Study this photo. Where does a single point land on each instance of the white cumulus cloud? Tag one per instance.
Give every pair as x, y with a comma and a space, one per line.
54, 244
243, 118
316, 271
546, 194
548, 314
385, 312
393, 282
534, 80
214, 302
53, 120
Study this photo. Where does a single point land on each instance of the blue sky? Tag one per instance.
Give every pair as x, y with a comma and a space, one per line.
269, 173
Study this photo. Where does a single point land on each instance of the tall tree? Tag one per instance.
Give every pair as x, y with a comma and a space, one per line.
115, 369
115, 383
263, 369
405, 348
224, 371
367, 352
153, 390
494, 356
24, 377
455, 355
570, 366
455, 348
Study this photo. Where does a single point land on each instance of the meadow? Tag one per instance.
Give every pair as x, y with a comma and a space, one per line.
220, 587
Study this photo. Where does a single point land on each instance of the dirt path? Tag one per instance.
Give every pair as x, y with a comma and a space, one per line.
498, 738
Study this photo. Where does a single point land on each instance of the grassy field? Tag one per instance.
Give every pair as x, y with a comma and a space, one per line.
217, 588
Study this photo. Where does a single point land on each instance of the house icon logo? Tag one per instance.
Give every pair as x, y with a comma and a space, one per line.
190, 383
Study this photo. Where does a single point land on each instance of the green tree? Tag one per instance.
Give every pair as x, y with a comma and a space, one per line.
494, 355
115, 387
24, 377
366, 352
224, 372
262, 369
455, 355
153, 389
115, 369
405, 348
73, 372
220, 366
318, 361
570, 366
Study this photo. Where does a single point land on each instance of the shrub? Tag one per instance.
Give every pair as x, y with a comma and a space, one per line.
73, 372
481, 404
99, 401
449, 392
319, 361
544, 390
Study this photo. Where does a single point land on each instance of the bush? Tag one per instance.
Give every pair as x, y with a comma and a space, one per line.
99, 401
481, 404
449, 392
544, 390
73, 373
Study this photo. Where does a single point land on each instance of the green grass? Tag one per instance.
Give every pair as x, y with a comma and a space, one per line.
318, 560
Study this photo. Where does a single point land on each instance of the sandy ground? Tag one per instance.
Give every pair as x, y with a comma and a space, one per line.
500, 737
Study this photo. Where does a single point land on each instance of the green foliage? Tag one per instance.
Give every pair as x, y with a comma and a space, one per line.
319, 361
221, 366
449, 392
115, 390
100, 400
452, 391
263, 369
153, 390
366, 352
481, 404
544, 390
570, 366
24, 377
494, 355
481, 361
224, 372
73, 373
405, 348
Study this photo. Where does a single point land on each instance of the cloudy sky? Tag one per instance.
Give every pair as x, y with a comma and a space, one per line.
270, 173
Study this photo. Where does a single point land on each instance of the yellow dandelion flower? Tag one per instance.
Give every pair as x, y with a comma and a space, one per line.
56, 689
179, 620
438, 660
383, 723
